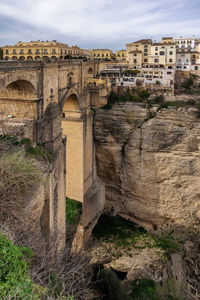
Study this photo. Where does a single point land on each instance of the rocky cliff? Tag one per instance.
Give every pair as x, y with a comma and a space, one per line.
150, 163
151, 167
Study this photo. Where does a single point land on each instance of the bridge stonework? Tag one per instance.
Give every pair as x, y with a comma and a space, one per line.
27, 90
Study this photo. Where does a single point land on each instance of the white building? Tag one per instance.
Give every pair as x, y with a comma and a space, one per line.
186, 44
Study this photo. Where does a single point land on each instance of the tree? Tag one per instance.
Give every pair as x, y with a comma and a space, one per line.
1, 53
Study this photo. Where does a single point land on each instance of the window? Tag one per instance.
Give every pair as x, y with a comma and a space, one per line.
37, 51
145, 50
170, 52
196, 68
156, 49
162, 53
94, 54
135, 54
135, 60
7, 52
118, 55
156, 53
106, 54
21, 51
29, 51
102, 55
98, 54
46, 52
145, 54
53, 51
145, 60
156, 60
170, 60
179, 60
123, 54
187, 60
168, 73
14, 51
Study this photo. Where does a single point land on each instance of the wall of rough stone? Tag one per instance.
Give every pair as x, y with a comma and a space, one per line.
151, 169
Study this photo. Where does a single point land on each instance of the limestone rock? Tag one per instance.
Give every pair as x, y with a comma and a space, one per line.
151, 168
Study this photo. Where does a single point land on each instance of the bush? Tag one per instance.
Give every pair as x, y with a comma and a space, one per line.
143, 289
14, 281
134, 95
109, 286
158, 99
73, 211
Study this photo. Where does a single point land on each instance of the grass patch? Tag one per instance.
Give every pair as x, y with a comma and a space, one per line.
73, 211
14, 280
126, 234
39, 152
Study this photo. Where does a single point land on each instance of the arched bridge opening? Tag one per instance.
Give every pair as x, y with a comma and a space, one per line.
18, 100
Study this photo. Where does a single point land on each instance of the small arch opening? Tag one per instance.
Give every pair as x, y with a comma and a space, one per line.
71, 104
90, 72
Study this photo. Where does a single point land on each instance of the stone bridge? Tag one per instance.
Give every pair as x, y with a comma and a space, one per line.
27, 89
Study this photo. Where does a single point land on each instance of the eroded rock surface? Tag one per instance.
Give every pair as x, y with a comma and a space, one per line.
151, 168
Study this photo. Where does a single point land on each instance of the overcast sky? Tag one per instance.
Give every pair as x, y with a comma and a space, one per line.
97, 23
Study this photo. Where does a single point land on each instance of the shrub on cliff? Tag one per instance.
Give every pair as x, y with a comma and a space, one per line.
131, 95
20, 177
14, 281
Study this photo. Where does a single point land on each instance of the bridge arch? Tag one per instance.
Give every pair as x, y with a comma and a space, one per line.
5, 81
19, 89
71, 103
18, 99
90, 71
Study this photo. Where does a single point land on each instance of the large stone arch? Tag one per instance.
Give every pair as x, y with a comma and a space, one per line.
15, 76
18, 100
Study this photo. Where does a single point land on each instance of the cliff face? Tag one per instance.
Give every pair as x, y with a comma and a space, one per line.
151, 168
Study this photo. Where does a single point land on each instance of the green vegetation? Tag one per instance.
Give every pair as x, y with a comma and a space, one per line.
126, 234
144, 289
1, 53
190, 85
158, 82
20, 177
158, 99
132, 95
109, 286
73, 211
13, 143
131, 72
14, 280
39, 152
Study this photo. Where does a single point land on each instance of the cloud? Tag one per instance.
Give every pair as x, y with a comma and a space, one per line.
97, 23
